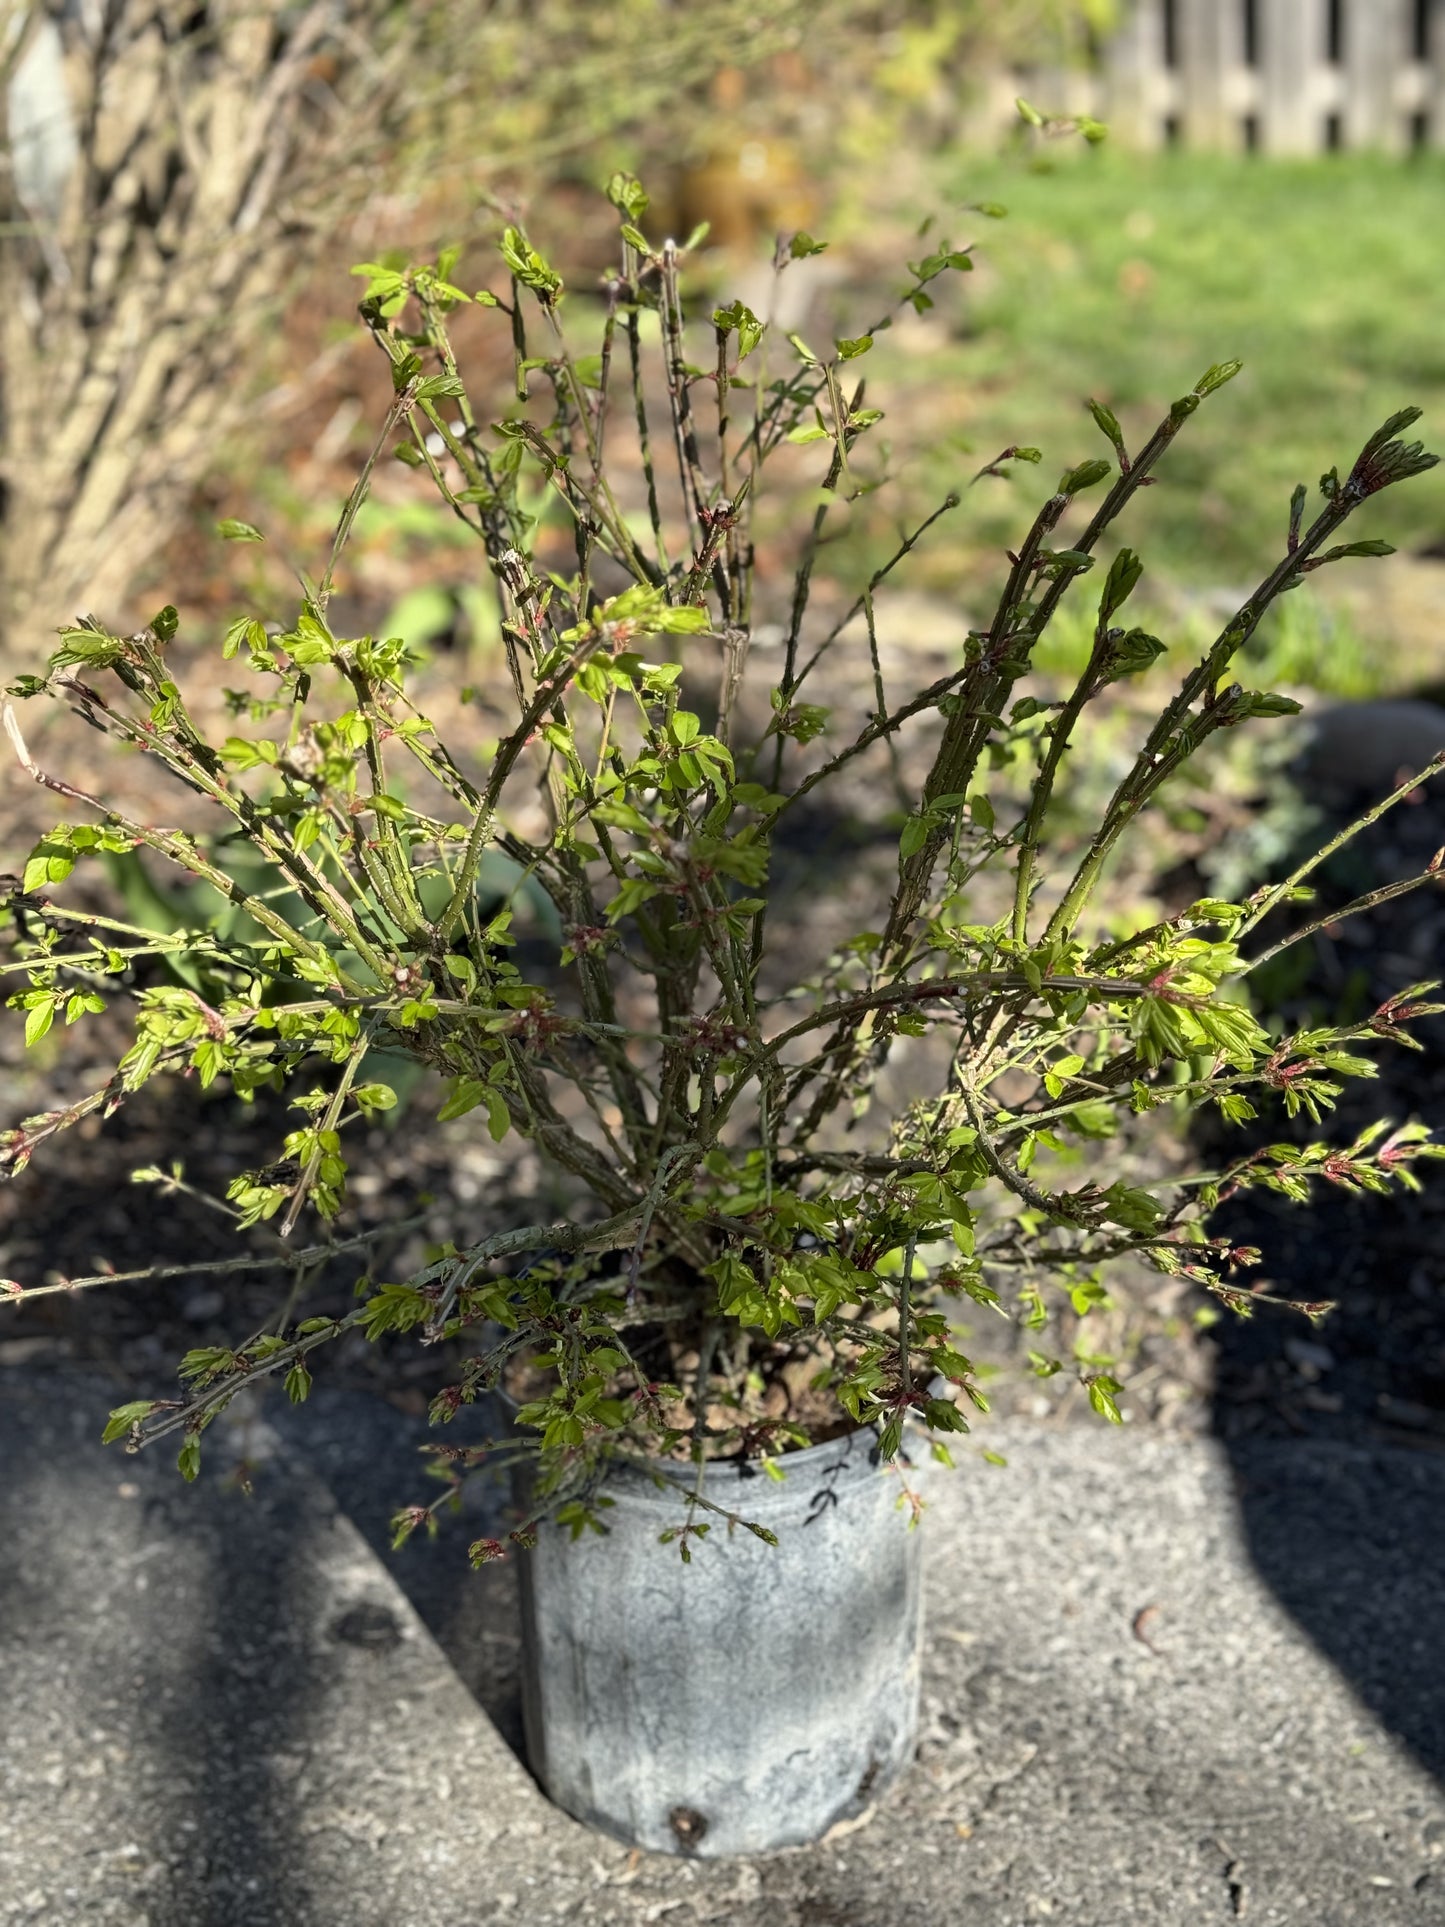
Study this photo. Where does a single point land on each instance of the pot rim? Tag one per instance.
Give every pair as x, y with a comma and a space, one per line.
854, 1453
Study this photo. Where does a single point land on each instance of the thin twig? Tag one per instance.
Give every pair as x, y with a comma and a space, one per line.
276, 1261
1367, 902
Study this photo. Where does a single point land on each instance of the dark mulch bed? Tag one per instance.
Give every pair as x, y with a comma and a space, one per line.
1376, 1367
1374, 1370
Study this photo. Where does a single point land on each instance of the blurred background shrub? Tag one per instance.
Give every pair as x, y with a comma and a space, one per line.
186, 187
178, 173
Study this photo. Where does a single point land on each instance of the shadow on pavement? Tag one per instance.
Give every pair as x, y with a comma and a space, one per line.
201, 1688
1337, 1431
170, 1620
1351, 1541
369, 1454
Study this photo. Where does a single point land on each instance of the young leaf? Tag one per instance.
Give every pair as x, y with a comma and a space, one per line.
1217, 376
741, 318
1074, 480
1109, 423
628, 196
1101, 1397
1120, 583
124, 1418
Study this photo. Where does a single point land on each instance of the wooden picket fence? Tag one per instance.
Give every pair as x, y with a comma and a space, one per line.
1279, 76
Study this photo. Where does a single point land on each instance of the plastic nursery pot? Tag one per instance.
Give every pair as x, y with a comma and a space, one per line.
747, 1700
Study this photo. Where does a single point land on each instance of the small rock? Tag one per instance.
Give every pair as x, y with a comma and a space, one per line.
1405, 1411
1308, 1357
1371, 746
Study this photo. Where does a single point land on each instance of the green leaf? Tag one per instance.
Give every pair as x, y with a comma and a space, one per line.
1129, 653
50, 862
439, 387
635, 238
740, 317
1029, 114
38, 1020
634, 893
1108, 422
164, 623
801, 246
1120, 583
1074, 480
628, 195
1372, 547
1215, 377
467, 1094
405, 1523
188, 1462
915, 833
1101, 1397
298, 1383
394, 1308
499, 1119
382, 278
124, 1417
372, 1098
849, 350
244, 632
680, 621
381, 804
1061, 1071
240, 754
529, 267
230, 530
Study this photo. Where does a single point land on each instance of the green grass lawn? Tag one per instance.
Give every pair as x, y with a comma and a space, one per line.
1125, 277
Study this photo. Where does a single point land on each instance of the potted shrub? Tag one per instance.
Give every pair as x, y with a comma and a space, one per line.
739, 1342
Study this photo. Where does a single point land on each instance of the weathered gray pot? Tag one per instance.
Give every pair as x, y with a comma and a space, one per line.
747, 1700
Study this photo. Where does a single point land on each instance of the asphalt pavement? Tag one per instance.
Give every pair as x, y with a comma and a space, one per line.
1162, 1685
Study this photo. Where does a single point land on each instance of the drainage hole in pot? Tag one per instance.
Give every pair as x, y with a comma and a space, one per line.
689, 1826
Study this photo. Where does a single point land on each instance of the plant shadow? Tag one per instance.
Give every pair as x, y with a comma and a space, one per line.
1336, 1431
161, 1648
